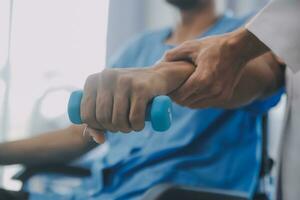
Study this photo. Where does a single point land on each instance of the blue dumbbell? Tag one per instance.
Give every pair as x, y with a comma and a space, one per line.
159, 111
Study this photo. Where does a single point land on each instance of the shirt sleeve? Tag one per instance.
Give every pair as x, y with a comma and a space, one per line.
277, 26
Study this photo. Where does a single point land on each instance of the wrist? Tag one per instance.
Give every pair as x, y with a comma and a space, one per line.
244, 45
173, 74
173, 68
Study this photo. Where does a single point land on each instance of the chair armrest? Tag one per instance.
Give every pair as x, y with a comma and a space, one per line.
171, 192
24, 174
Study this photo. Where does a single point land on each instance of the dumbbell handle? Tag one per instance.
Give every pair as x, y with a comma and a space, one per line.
159, 111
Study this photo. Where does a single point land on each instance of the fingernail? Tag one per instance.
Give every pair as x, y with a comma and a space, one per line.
96, 135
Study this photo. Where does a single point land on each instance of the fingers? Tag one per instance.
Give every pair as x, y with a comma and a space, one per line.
138, 112
116, 100
104, 107
185, 51
97, 135
189, 88
120, 119
88, 103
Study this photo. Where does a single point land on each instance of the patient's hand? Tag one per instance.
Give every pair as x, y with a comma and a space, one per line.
116, 99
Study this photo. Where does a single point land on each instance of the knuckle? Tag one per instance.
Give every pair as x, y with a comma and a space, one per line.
107, 75
91, 77
106, 72
140, 86
124, 80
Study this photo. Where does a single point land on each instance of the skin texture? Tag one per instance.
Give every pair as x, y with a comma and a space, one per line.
220, 61
116, 99
56, 147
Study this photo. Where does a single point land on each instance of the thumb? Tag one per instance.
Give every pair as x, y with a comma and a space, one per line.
98, 136
186, 90
182, 52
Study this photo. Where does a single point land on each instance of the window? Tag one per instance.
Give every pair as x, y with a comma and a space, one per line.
55, 45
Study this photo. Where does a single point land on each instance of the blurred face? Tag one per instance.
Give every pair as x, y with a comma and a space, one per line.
189, 4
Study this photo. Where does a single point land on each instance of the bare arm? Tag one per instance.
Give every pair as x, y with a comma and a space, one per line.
219, 62
260, 78
116, 99
56, 147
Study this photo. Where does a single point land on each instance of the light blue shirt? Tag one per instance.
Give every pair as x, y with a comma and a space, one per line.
210, 148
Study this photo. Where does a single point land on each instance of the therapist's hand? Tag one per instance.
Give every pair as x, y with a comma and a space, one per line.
219, 60
116, 99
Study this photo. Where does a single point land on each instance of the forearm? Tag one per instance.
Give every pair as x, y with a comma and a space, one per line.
244, 45
261, 77
51, 148
116, 99
175, 73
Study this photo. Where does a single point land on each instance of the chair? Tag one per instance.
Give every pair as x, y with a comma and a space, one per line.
174, 192
26, 173
168, 191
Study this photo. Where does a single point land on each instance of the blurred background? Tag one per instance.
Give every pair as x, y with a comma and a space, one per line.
48, 48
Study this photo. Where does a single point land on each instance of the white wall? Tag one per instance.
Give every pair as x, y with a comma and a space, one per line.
127, 18
159, 14
55, 45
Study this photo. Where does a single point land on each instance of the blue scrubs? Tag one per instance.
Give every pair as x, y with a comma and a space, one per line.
211, 148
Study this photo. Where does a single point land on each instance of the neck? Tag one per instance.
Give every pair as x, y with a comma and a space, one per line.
192, 24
